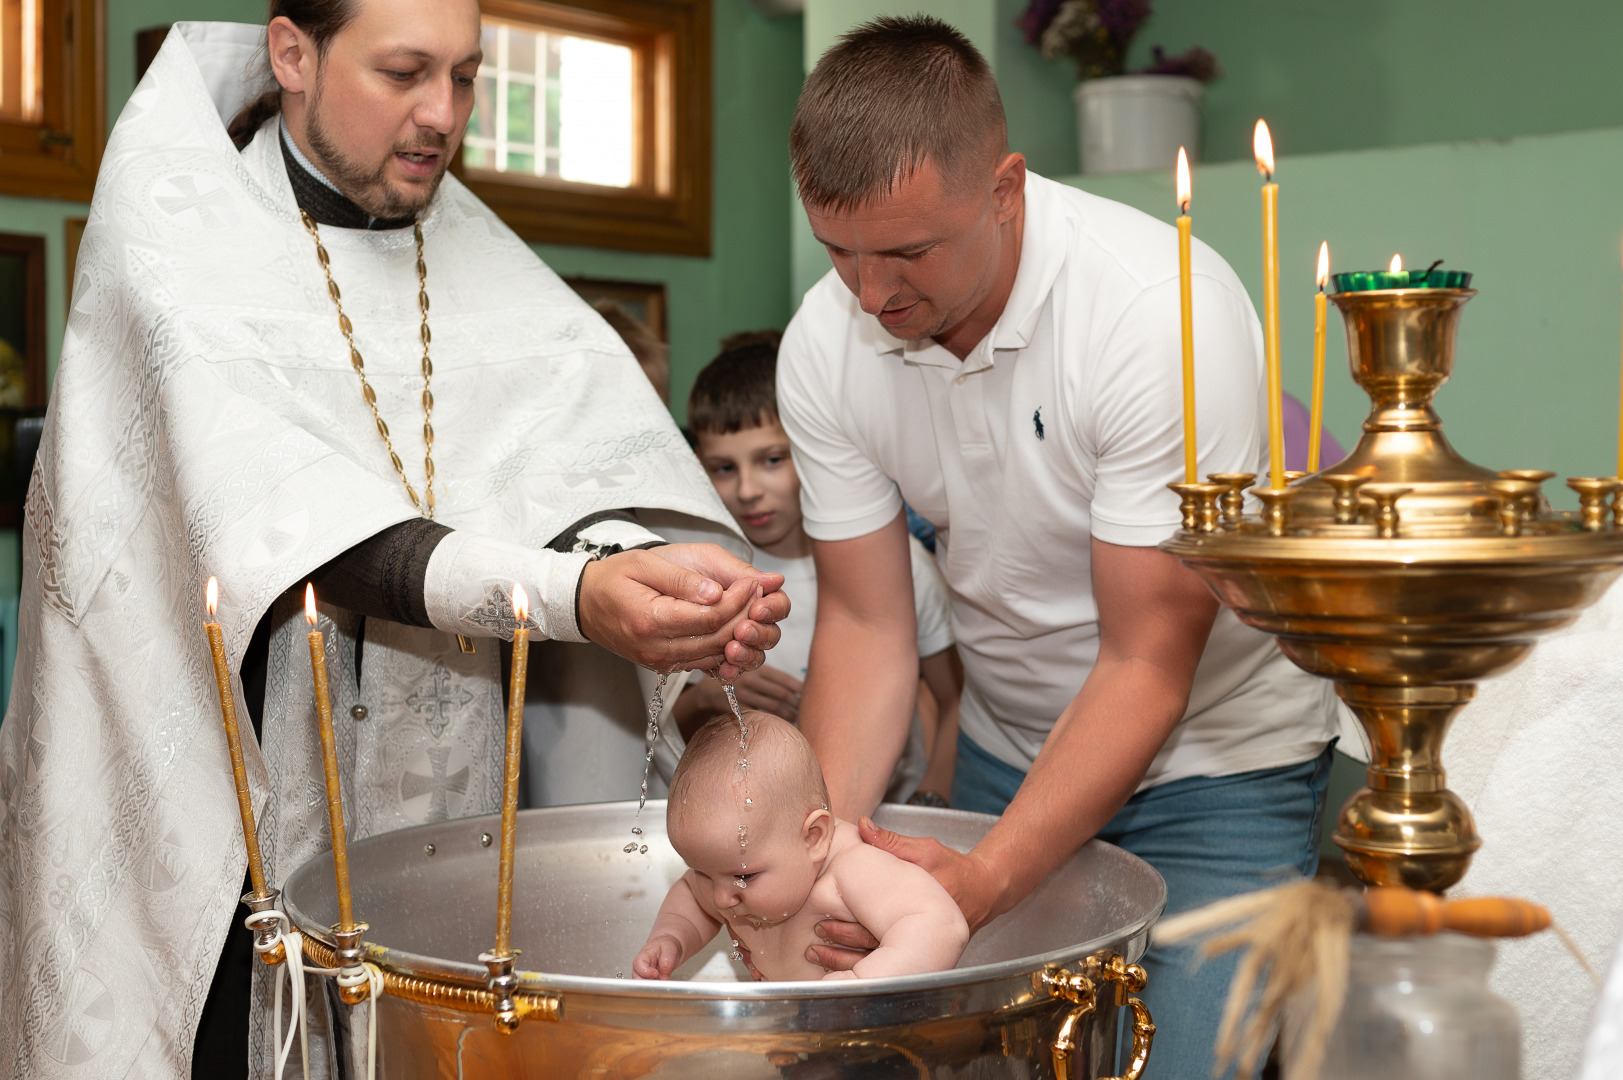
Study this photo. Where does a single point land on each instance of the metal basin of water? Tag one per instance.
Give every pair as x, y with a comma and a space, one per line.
583, 908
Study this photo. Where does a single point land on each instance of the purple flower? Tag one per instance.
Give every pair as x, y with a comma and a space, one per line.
1122, 18
1036, 18
1197, 63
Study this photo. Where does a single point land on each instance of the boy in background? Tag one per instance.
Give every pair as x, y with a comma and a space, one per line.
733, 417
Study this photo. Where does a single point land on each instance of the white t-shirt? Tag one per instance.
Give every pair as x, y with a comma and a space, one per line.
1064, 423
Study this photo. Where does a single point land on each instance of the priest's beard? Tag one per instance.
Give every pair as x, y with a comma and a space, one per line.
369, 187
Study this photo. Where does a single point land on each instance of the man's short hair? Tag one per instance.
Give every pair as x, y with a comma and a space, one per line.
738, 389
886, 97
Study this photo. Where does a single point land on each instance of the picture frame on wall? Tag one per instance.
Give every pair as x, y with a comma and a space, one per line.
643, 300
22, 363
73, 230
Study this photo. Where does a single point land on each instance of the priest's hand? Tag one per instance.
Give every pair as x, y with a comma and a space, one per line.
682, 606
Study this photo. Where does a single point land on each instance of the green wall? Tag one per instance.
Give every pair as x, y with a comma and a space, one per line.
1535, 218
1333, 75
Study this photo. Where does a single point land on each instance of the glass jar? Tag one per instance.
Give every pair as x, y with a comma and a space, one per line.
1420, 1009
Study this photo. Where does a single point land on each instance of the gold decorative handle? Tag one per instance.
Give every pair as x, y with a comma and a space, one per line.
1065, 1040
1078, 989
1143, 1039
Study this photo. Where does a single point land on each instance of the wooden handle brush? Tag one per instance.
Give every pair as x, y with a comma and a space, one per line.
1394, 911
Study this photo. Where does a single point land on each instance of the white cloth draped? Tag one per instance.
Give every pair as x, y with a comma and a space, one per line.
1536, 758
205, 420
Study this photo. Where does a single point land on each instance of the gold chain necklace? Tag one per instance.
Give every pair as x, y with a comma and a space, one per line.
425, 505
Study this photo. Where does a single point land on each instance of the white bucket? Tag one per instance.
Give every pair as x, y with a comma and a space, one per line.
1134, 122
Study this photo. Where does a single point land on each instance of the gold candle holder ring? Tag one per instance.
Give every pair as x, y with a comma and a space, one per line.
1344, 504
1188, 505
1233, 501
1594, 496
1516, 498
1275, 508
1531, 506
1385, 497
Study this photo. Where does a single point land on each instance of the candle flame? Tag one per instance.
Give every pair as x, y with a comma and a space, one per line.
521, 604
212, 595
1262, 144
1183, 181
1324, 264
310, 602
1396, 265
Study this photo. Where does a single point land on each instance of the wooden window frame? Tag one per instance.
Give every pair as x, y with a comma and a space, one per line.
667, 207
57, 157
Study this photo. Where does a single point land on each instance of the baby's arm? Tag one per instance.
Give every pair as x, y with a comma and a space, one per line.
681, 928
918, 925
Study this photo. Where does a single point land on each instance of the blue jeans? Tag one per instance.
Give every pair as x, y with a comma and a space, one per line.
1210, 837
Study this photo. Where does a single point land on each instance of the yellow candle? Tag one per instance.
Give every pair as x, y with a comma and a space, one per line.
1264, 147
1184, 297
329, 761
1316, 413
233, 741
515, 751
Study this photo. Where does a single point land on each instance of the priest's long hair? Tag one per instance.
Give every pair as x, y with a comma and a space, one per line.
321, 20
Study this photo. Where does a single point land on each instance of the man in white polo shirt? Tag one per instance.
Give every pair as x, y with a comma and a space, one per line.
1002, 352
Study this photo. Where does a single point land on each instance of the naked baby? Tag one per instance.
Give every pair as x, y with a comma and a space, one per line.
798, 865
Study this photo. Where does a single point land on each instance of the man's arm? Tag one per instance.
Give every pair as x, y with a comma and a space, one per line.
863, 673
1154, 616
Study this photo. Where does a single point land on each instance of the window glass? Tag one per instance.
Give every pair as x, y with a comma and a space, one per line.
21, 44
553, 105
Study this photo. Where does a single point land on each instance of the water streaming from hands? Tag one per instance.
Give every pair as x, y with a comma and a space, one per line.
656, 708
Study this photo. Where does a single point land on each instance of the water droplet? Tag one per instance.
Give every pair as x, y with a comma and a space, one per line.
740, 883
619, 974
643, 850
656, 706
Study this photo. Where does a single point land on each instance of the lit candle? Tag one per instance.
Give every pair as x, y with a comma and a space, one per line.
1184, 298
329, 761
1396, 265
515, 750
233, 741
1263, 145
1316, 414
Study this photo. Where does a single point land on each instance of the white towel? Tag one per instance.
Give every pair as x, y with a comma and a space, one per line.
1539, 759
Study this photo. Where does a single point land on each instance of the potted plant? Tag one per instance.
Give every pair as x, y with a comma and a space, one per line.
1125, 121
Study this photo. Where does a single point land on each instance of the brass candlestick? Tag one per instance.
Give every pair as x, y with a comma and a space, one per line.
260, 898
1406, 573
353, 987
499, 960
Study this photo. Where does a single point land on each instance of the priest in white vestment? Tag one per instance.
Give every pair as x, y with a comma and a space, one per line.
215, 413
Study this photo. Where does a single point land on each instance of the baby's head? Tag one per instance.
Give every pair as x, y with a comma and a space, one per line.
780, 801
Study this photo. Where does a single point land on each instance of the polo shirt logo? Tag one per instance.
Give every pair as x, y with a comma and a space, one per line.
1037, 422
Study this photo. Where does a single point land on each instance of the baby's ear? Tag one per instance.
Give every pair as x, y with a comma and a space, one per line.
818, 832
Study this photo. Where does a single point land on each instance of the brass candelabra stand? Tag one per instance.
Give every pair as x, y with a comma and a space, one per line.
1406, 574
